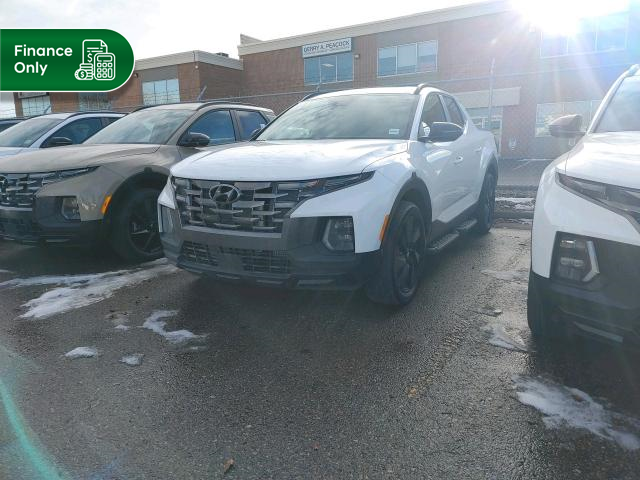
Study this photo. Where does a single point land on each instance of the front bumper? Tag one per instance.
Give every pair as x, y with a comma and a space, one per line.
608, 307
46, 225
294, 259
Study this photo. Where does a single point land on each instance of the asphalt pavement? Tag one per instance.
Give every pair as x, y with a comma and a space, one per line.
227, 381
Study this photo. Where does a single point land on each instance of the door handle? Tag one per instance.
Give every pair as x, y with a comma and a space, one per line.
478, 150
458, 160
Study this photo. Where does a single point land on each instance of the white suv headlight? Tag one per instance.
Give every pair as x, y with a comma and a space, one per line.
622, 200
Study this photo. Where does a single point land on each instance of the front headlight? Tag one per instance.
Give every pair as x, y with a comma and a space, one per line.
622, 200
70, 209
314, 188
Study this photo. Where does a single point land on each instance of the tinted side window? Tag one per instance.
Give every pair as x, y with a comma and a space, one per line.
249, 122
79, 130
4, 126
109, 120
454, 111
433, 111
217, 125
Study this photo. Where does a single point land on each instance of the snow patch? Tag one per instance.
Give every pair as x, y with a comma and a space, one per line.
517, 203
82, 352
489, 311
4, 271
122, 328
177, 337
132, 360
76, 291
499, 337
564, 406
518, 276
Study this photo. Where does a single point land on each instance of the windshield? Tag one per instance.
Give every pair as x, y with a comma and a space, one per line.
24, 134
153, 126
622, 114
376, 116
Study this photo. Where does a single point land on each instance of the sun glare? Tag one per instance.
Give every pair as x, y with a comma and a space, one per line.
562, 17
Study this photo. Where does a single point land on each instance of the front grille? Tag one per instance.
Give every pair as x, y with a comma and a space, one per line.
198, 253
18, 228
18, 190
251, 261
259, 206
260, 261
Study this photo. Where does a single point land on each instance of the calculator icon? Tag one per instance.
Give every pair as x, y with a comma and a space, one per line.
104, 66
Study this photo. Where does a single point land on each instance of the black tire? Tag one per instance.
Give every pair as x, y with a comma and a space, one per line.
134, 230
403, 253
539, 314
485, 213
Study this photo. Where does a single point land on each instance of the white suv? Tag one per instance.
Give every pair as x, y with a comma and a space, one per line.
53, 130
344, 189
586, 228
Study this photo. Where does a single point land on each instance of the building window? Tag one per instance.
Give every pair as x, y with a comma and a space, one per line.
93, 101
161, 91
328, 68
602, 34
36, 105
409, 58
548, 112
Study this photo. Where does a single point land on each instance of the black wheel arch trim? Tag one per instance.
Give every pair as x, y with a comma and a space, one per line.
417, 185
147, 178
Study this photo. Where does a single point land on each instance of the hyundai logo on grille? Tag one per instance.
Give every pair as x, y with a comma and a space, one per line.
224, 193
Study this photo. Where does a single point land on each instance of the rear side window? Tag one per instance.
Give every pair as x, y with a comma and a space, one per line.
4, 126
455, 114
217, 125
433, 111
249, 122
109, 120
79, 130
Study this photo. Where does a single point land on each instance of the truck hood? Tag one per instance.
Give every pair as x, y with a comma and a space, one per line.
287, 160
612, 158
8, 151
71, 157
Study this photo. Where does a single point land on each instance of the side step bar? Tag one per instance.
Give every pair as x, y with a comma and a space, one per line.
443, 242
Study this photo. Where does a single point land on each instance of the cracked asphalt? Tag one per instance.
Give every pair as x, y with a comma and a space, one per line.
289, 385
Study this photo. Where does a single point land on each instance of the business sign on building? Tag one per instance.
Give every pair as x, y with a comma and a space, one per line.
326, 48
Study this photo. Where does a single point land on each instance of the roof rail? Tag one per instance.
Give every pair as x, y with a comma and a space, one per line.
422, 86
73, 114
311, 95
225, 102
203, 104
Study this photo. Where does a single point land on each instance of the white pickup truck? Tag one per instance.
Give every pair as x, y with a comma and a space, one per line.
343, 190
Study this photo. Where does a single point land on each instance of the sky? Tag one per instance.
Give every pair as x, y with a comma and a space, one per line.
158, 27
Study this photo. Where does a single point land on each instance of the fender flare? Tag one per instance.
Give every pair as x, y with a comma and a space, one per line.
415, 184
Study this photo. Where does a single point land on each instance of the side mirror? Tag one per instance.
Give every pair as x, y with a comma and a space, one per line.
566, 127
58, 142
257, 132
442, 132
194, 139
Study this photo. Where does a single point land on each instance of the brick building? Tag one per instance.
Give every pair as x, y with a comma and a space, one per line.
169, 78
488, 54
535, 77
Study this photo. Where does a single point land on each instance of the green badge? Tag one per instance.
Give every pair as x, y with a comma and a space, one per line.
64, 60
